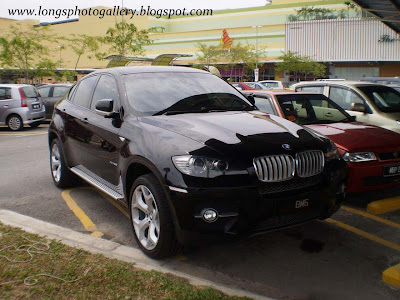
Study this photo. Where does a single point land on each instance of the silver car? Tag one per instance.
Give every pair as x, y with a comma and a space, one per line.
20, 104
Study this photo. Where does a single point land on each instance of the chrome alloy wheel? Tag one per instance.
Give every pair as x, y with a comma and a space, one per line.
145, 217
55, 163
14, 123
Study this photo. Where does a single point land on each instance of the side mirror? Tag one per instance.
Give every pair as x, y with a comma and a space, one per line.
105, 108
251, 99
358, 107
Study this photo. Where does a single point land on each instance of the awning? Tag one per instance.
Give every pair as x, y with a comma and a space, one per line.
387, 11
167, 59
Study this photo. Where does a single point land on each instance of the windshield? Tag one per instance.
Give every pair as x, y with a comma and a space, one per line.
385, 98
172, 93
305, 109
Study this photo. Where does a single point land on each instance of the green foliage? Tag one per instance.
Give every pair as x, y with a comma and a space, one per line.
84, 44
24, 49
293, 62
124, 38
208, 54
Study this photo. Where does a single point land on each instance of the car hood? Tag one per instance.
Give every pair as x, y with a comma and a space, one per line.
246, 133
357, 136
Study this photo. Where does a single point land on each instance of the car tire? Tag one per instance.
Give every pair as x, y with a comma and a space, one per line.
153, 228
34, 125
14, 122
61, 175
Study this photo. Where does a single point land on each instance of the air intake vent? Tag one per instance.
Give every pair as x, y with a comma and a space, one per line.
274, 168
309, 163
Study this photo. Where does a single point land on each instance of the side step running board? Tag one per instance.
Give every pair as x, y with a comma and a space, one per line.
98, 183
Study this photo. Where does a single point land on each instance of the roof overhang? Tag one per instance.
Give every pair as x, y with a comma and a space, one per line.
387, 11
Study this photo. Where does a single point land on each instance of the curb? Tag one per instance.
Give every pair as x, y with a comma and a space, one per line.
109, 249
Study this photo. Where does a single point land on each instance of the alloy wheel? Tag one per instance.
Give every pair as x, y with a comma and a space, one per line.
55, 163
145, 217
14, 123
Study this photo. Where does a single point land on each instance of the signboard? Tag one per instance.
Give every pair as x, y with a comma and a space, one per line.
256, 74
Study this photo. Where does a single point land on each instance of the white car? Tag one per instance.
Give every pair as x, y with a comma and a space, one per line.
273, 84
371, 103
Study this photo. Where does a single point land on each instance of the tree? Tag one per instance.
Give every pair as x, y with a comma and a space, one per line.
25, 49
84, 44
244, 54
208, 54
124, 38
293, 62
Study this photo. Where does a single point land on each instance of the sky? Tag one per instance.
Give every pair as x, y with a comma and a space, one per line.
157, 4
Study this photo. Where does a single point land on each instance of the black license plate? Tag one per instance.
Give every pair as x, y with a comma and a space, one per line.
391, 170
36, 106
293, 205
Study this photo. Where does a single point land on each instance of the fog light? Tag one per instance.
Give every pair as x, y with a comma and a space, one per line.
210, 215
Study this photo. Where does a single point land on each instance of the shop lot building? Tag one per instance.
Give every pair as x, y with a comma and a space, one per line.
350, 42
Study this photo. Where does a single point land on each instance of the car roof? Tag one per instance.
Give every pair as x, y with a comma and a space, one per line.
54, 84
345, 83
277, 92
149, 69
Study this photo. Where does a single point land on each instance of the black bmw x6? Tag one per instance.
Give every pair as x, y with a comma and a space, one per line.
190, 156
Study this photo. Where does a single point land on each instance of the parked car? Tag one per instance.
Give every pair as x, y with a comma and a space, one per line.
241, 86
273, 84
20, 104
382, 80
371, 103
255, 85
190, 156
51, 94
372, 153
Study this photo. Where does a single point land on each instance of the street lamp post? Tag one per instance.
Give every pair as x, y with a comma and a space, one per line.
256, 72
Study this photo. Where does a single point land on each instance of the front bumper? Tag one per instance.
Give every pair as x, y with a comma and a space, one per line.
366, 176
246, 210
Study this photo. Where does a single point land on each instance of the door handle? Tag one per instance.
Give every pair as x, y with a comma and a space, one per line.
328, 115
6, 105
85, 120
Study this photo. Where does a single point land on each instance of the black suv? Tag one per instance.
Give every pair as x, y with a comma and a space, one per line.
190, 156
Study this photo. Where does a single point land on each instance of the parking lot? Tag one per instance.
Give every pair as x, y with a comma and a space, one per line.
340, 258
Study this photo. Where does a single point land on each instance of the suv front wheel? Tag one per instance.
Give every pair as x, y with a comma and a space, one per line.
151, 218
62, 176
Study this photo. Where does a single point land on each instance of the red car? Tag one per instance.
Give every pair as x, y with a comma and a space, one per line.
372, 153
241, 86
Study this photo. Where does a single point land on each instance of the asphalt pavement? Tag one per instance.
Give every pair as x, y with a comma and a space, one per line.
340, 258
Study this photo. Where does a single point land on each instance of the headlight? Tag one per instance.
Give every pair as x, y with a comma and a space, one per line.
359, 156
200, 166
332, 152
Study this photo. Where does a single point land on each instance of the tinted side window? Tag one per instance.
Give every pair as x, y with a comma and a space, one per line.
106, 88
5, 93
45, 91
60, 91
343, 97
83, 93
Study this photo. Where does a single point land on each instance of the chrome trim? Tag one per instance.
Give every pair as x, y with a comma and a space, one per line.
179, 190
103, 185
274, 168
309, 163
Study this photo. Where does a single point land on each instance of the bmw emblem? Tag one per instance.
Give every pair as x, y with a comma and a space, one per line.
286, 147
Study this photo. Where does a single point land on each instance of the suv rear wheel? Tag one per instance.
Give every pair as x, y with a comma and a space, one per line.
62, 176
14, 122
151, 218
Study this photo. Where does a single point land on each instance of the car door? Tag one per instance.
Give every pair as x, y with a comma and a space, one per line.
345, 97
6, 103
100, 154
75, 119
45, 92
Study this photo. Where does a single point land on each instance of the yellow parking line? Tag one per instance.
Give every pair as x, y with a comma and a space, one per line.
384, 206
22, 133
373, 217
113, 202
80, 214
392, 275
364, 234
